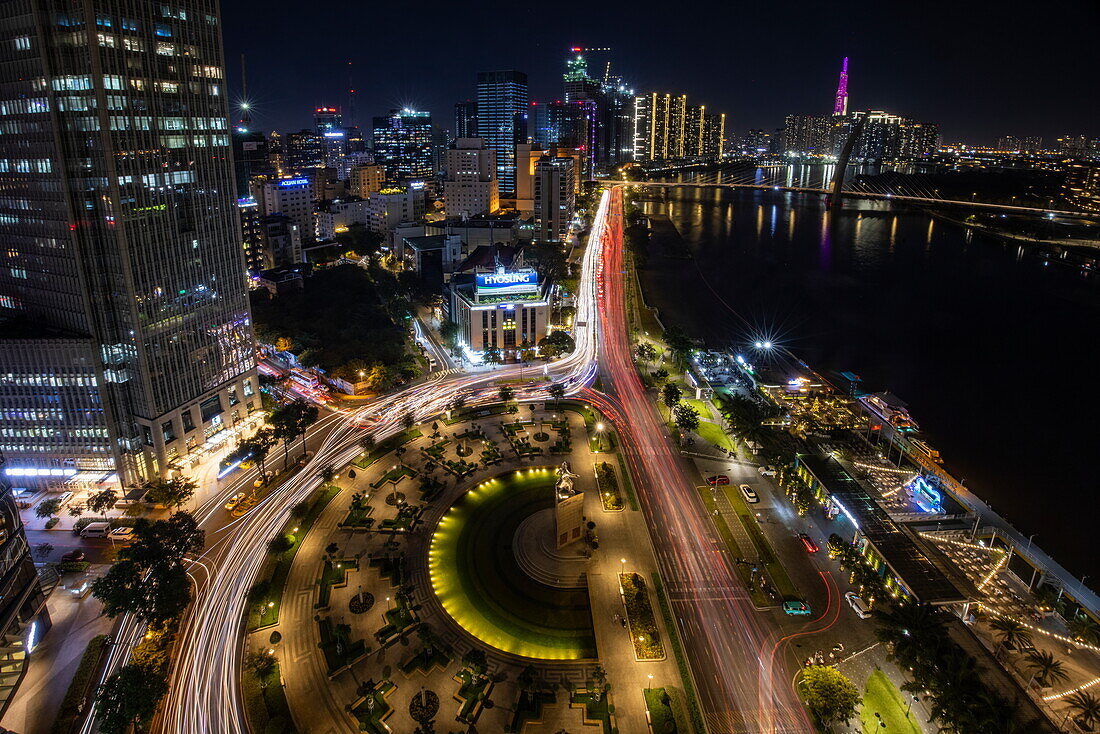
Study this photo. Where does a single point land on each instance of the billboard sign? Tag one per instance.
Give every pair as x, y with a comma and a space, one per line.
504, 282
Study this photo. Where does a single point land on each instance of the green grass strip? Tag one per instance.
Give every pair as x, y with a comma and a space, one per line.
260, 614
628, 483
78, 686
778, 573
883, 697
681, 659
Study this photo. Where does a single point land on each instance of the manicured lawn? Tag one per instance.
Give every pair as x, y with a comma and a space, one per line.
628, 482
661, 716
713, 433
265, 702
476, 577
884, 698
366, 460
334, 574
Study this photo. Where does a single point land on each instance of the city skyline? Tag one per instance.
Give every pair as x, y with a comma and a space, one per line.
970, 81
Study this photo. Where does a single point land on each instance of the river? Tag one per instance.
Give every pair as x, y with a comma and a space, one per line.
989, 344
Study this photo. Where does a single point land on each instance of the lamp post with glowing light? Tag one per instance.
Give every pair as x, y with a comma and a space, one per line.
599, 437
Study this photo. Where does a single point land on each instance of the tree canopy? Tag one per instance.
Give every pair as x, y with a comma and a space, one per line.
345, 319
831, 697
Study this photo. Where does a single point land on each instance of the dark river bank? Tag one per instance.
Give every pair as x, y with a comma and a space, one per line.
990, 345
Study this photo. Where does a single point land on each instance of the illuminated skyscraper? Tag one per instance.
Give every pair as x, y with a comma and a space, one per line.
840, 106
403, 145
502, 102
126, 341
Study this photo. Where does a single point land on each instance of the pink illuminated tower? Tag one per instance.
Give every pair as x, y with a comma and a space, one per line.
840, 107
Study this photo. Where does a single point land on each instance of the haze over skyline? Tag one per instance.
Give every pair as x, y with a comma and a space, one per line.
980, 71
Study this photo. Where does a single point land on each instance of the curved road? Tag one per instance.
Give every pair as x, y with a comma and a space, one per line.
728, 644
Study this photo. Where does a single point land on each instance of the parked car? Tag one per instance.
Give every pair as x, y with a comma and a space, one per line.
808, 543
718, 479
750, 494
858, 605
123, 535
97, 529
73, 556
766, 471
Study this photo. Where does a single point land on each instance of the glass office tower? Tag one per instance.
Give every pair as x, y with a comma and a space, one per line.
125, 335
502, 102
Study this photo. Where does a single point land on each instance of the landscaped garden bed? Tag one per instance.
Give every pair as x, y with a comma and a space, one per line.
359, 514
389, 567
662, 718
334, 575
529, 707
609, 487
425, 662
597, 709
267, 594
367, 459
398, 621
337, 645
395, 475
473, 689
373, 709
643, 626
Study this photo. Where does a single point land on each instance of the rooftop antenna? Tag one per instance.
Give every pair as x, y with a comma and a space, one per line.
350, 121
246, 114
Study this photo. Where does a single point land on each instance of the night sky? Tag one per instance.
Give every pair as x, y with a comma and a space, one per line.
979, 69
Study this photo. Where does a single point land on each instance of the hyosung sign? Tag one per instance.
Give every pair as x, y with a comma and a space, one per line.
504, 282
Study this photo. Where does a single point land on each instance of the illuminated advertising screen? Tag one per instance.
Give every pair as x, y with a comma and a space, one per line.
507, 282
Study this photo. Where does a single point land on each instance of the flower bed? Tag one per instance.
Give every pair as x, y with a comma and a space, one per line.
662, 719
609, 487
394, 475
529, 708
596, 709
398, 620
643, 626
389, 568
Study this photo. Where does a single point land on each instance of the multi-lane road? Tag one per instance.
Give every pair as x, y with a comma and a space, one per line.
727, 640
729, 645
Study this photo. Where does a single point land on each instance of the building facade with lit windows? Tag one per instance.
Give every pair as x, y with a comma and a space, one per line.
403, 145
127, 342
502, 102
555, 197
470, 181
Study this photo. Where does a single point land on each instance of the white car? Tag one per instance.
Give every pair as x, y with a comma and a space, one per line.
750, 494
858, 605
766, 471
123, 535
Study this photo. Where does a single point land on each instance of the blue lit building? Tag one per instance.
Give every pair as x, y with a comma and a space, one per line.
502, 108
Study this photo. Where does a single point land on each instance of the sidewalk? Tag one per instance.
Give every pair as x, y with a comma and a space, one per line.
54, 662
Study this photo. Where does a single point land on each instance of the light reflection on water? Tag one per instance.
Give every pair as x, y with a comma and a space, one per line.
980, 337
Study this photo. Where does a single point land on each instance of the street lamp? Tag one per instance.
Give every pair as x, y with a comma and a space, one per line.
599, 436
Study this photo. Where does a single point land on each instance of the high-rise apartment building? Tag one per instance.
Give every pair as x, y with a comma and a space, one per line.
403, 145
291, 197
465, 119
606, 115
470, 184
502, 102
807, 135
127, 340
366, 178
326, 119
555, 197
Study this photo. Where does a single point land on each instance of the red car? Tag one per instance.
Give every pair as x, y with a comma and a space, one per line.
718, 479
808, 543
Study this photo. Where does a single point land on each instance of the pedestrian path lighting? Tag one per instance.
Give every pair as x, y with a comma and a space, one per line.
599, 436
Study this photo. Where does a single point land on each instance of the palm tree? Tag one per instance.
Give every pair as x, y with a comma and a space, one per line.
1087, 707
1010, 633
1046, 669
1085, 628
908, 628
